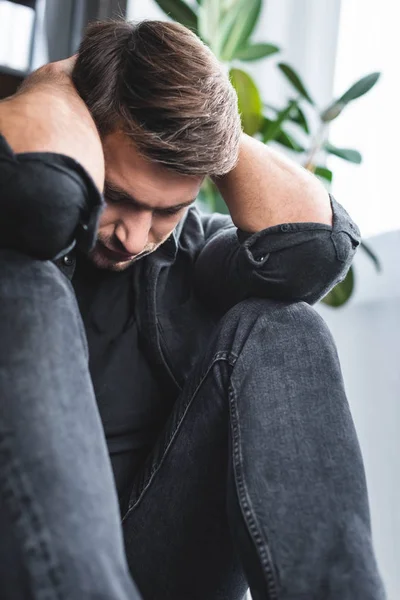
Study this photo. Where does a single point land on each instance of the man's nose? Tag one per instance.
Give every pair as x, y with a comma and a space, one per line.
134, 230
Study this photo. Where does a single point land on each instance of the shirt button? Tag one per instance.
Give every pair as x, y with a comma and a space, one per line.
285, 227
68, 260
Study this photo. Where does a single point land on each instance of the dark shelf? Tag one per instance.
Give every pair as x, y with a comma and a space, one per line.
10, 80
13, 72
30, 3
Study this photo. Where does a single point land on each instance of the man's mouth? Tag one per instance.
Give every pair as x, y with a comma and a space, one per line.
114, 255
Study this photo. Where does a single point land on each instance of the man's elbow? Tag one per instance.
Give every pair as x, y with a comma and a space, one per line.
309, 271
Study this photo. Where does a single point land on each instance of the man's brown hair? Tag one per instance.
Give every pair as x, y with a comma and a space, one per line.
163, 87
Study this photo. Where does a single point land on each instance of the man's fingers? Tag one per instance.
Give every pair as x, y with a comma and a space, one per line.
66, 66
53, 74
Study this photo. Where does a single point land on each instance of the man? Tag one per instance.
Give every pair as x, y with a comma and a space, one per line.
233, 452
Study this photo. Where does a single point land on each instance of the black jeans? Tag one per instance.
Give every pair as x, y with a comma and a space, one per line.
257, 476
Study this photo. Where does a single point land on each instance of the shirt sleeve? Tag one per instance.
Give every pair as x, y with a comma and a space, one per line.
291, 261
48, 203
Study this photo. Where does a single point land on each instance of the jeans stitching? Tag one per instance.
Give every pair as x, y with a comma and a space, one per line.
19, 499
244, 501
222, 355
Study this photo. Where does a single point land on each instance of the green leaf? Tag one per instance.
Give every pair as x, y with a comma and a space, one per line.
238, 27
287, 140
256, 51
368, 250
360, 88
227, 5
324, 173
210, 196
249, 100
228, 20
220, 206
298, 116
179, 11
348, 154
295, 80
270, 107
341, 292
272, 130
209, 20
266, 123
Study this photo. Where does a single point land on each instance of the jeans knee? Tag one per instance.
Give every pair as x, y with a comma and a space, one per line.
273, 321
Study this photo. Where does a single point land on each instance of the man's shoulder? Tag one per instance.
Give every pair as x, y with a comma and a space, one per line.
202, 225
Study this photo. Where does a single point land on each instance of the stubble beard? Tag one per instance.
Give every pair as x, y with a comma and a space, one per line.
102, 262
98, 258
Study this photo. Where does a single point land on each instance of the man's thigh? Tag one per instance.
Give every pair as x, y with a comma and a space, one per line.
56, 486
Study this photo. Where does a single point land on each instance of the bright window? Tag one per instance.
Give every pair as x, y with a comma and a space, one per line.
369, 41
16, 23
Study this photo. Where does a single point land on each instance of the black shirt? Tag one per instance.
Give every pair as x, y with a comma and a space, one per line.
127, 393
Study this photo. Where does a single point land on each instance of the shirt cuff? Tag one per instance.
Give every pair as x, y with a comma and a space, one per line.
49, 203
258, 246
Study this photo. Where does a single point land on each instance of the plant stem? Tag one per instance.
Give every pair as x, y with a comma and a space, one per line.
316, 147
276, 126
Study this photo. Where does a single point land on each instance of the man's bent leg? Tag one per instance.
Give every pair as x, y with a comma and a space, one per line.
259, 461
56, 485
301, 502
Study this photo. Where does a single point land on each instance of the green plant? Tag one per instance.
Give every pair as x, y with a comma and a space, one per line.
300, 126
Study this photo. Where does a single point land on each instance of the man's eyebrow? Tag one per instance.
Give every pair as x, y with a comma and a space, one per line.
120, 195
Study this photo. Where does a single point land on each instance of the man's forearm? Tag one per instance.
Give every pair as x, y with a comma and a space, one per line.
51, 168
266, 189
47, 115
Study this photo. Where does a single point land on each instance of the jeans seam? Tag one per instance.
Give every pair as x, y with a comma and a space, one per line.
19, 499
248, 512
147, 480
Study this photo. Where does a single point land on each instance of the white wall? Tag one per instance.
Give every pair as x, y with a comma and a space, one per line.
138, 10
15, 49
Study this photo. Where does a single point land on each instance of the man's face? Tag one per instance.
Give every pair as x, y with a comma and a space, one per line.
144, 203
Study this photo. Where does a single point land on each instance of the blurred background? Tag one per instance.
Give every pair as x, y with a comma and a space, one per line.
317, 80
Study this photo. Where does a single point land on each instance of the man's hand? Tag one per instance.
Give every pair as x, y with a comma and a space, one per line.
266, 189
48, 115
44, 199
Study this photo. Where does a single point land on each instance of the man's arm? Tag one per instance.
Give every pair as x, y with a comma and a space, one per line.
267, 189
51, 167
293, 242
47, 115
